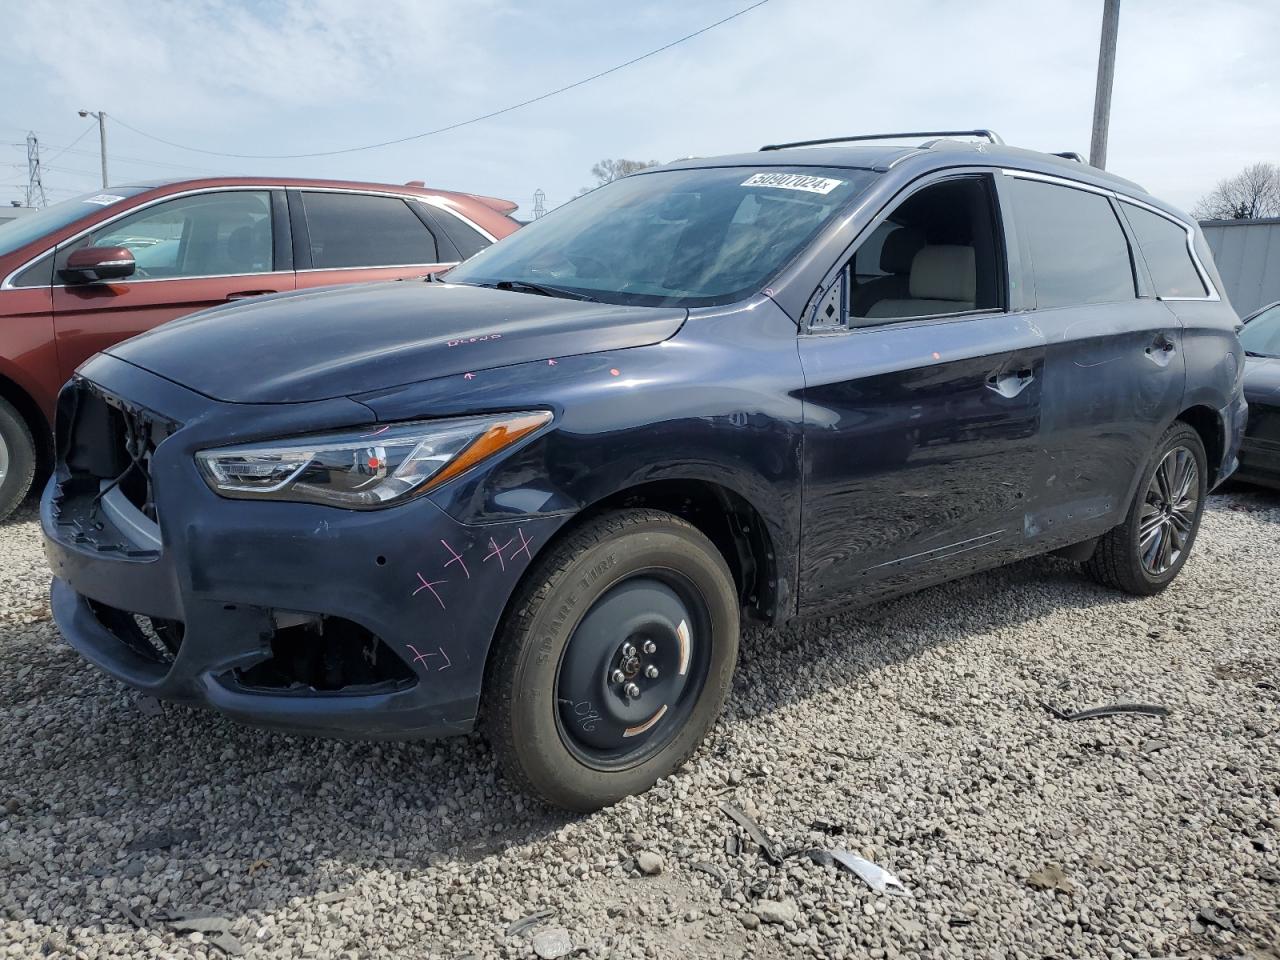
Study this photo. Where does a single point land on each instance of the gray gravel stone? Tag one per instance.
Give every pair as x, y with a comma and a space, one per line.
777, 911
649, 863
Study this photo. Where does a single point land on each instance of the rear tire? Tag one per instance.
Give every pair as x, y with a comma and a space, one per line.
17, 458
556, 707
1144, 554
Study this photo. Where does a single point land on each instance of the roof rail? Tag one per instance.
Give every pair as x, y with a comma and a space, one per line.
1069, 155
989, 135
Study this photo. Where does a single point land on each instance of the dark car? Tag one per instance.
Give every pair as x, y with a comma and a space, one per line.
540, 495
83, 274
1260, 451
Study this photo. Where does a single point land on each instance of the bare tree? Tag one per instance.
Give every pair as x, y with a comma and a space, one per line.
606, 171
1251, 194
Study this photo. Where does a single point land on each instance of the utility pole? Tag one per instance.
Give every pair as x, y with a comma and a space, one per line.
35, 186
101, 117
1106, 75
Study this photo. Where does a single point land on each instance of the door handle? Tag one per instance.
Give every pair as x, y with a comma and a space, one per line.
246, 294
1009, 385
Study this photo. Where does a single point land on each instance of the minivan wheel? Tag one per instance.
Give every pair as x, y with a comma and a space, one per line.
17, 458
614, 661
1145, 553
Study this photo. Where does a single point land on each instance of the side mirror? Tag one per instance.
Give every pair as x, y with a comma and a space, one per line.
94, 264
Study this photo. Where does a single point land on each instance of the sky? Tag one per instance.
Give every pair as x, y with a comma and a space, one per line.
1197, 93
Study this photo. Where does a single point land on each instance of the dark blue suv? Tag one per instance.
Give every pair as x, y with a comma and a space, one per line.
539, 494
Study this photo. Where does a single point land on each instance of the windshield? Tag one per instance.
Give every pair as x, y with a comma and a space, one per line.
1261, 335
670, 238
16, 234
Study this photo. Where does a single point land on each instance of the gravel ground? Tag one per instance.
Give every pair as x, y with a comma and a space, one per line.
910, 733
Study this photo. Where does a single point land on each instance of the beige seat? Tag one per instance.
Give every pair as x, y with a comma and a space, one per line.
943, 280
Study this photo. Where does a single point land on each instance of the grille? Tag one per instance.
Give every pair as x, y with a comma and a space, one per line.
151, 638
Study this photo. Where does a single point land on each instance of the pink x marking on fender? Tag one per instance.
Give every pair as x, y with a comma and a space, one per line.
525, 544
457, 558
422, 657
429, 585
496, 551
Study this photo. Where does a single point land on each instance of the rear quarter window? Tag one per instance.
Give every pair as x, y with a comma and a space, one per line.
1164, 247
1078, 248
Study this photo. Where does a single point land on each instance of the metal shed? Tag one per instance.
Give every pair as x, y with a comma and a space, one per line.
1247, 253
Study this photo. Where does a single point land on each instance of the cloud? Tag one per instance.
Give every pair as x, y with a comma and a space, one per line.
1194, 99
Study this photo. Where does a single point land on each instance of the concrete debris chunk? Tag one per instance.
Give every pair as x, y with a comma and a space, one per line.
553, 943
1051, 877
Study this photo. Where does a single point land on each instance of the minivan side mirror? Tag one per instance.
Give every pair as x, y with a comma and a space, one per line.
95, 264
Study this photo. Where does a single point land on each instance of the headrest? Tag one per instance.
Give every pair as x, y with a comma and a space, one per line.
900, 249
943, 272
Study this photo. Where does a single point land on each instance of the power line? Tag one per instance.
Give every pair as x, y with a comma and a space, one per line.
452, 126
83, 134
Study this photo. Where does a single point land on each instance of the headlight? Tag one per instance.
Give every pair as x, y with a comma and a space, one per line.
364, 470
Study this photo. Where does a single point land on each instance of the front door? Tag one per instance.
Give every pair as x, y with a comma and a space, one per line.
922, 405
192, 252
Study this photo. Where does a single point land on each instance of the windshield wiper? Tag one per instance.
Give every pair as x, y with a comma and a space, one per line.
1263, 356
542, 289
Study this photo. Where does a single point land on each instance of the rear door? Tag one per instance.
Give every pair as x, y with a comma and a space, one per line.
192, 252
1114, 370
922, 405
343, 236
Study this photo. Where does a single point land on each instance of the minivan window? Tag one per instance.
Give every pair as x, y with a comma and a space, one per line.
363, 230
1078, 248
1164, 247
223, 233
693, 237
18, 233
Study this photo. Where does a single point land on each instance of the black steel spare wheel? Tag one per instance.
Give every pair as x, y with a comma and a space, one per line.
614, 659
633, 669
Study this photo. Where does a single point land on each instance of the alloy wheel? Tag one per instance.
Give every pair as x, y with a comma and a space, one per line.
1169, 511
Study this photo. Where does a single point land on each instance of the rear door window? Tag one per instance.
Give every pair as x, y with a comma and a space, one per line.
1164, 246
361, 230
1078, 248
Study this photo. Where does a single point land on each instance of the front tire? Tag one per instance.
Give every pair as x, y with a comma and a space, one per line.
614, 660
1145, 553
17, 458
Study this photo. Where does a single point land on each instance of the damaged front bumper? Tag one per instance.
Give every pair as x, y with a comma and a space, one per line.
298, 617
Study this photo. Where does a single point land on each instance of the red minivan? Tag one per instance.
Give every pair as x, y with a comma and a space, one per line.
88, 272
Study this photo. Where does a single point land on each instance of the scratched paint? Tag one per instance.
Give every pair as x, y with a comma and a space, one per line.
465, 341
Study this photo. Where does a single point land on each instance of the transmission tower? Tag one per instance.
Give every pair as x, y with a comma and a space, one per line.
539, 203
35, 187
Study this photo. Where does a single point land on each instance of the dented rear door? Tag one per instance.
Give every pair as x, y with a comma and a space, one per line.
1114, 372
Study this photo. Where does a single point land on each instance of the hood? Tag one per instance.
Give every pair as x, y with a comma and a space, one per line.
1262, 380
318, 344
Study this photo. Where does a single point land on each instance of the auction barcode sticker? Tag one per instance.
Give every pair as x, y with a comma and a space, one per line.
103, 199
792, 181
